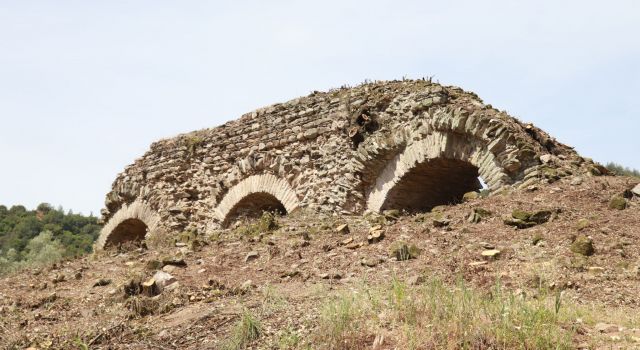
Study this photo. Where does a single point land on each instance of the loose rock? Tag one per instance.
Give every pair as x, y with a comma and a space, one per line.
617, 203
344, 229
583, 245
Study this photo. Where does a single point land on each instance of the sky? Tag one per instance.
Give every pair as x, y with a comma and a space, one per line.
87, 86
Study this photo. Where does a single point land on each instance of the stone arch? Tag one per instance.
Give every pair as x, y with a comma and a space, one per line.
132, 222
258, 191
446, 164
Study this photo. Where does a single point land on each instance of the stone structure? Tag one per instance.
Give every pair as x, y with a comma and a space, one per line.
405, 145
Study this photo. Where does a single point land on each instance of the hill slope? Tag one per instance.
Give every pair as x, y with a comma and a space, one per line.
470, 280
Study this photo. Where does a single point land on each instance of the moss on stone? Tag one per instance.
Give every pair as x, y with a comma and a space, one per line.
469, 196
583, 245
520, 215
541, 216
618, 203
582, 224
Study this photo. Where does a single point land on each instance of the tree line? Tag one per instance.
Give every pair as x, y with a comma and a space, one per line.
43, 235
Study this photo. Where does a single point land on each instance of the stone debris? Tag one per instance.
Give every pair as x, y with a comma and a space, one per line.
253, 255
522, 219
376, 234
576, 181
583, 245
618, 203
636, 190
491, 253
102, 282
344, 229
175, 261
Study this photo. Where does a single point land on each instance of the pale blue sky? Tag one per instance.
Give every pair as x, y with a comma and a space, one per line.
86, 86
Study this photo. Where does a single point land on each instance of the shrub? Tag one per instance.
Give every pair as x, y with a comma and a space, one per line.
622, 170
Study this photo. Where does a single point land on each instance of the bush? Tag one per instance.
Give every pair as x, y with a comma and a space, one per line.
622, 170
41, 250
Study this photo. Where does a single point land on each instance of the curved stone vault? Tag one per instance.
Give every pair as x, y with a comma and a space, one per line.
409, 145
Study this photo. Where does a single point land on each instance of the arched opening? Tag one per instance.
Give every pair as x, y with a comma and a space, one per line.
431, 183
253, 205
129, 230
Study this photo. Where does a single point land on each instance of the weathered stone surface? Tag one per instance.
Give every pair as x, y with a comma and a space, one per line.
491, 253
253, 255
583, 245
343, 228
636, 190
618, 203
346, 150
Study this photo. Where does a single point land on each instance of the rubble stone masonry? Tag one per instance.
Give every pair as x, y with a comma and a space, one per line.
405, 145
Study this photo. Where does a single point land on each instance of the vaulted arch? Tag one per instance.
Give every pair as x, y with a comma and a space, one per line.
436, 170
257, 193
132, 222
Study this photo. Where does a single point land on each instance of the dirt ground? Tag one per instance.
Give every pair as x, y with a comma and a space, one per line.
285, 277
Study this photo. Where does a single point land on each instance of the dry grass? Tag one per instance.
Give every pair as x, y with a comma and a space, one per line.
247, 330
437, 316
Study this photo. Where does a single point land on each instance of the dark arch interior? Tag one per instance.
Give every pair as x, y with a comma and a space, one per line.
432, 183
254, 205
130, 230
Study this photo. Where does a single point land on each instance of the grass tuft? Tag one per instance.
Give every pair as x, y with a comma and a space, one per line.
245, 331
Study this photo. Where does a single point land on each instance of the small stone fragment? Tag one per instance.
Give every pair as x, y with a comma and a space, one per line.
519, 223
376, 234
618, 203
102, 282
537, 238
253, 255
415, 280
582, 224
441, 222
596, 270
546, 158
163, 280
369, 262
576, 181
491, 253
583, 245
520, 215
344, 229
347, 241
606, 328
169, 268
175, 261
469, 196
541, 216
636, 190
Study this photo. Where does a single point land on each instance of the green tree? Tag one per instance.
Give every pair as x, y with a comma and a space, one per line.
622, 170
43, 249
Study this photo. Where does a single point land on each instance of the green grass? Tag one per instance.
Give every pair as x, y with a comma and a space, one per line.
244, 332
267, 222
435, 315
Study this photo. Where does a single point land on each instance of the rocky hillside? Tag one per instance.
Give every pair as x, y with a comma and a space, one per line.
548, 266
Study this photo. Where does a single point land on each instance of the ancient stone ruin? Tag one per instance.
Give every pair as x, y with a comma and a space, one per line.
408, 145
